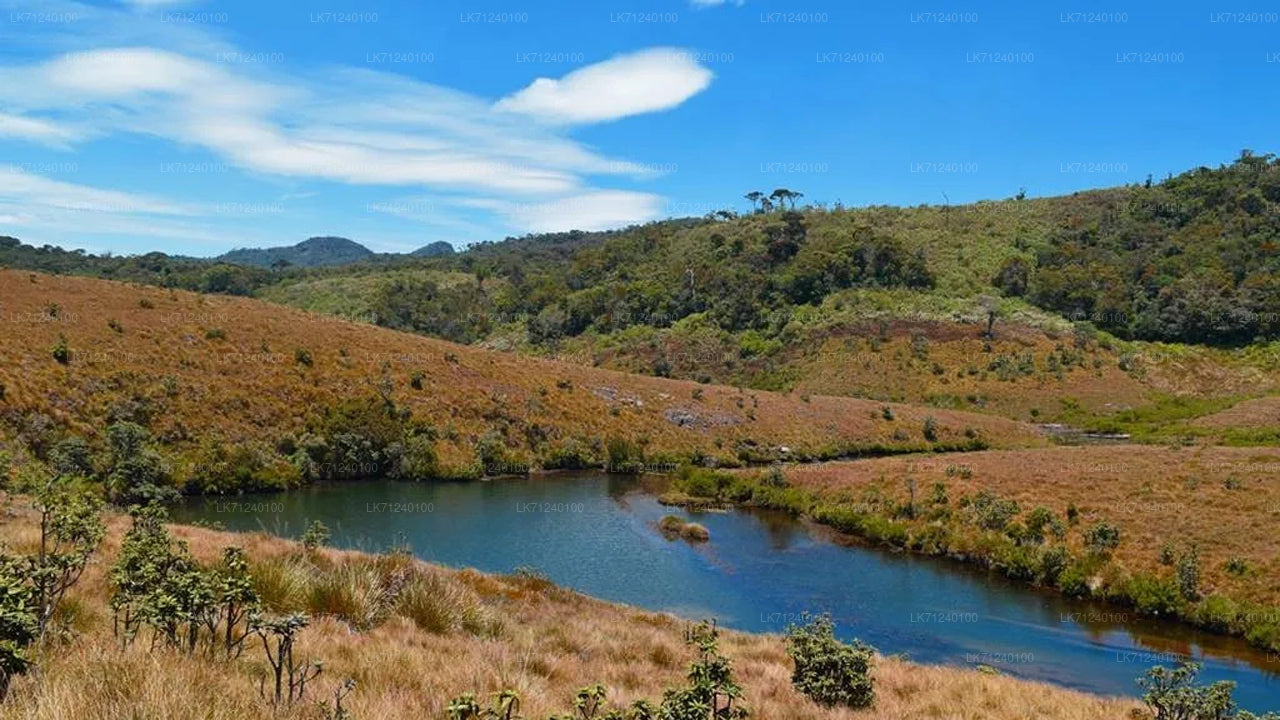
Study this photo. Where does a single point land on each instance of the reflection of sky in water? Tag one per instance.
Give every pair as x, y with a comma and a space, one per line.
759, 572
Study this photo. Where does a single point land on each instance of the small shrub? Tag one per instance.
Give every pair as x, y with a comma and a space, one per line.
886, 412
115, 325
1237, 567
930, 429
1173, 695
415, 379
302, 357
215, 334
316, 535
61, 351
1101, 538
1188, 572
828, 671
146, 304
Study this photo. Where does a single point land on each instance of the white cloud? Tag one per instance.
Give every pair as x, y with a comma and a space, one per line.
596, 210
118, 72
36, 130
641, 82
715, 3
23, 188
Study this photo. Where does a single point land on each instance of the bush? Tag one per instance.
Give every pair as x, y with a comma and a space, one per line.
316, 535
828, 671
61, 351
1101, 538
1153, 596
1173, 695
930, 429
1188, 572
992, 512
302, 357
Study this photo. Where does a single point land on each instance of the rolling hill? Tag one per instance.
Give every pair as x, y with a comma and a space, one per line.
238, 393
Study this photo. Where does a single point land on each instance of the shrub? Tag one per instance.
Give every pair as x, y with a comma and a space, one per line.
930, 429
1188, 572
115, 325
1101, 538
315, 536
828, 671
18, 624
712, 690
302, 357
1237, 566
1173, 694
1153, 596
146, 304
136, 473
61, 351
990, 511
215, 334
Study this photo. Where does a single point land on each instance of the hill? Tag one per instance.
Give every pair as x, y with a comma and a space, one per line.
312, 252
435, 249
1117, 309
238, 394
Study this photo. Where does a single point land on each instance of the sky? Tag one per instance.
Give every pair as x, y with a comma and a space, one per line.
197, 127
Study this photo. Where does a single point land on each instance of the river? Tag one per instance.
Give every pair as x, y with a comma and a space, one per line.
598, 534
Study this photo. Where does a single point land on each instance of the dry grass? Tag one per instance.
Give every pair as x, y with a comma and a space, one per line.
551, 642
194, 385
1226, 500
1256, 413
950, 367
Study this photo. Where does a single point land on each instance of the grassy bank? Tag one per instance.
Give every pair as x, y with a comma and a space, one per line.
412, 636
1185, 533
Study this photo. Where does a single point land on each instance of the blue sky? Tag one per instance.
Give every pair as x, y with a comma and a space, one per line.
196, 127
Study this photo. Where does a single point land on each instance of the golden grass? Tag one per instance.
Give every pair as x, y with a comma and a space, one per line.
950, 368
248, 385
1226, 500
551, 643
1256, 413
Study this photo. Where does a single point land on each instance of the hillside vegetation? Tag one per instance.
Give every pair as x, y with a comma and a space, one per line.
222, 394
1063, 309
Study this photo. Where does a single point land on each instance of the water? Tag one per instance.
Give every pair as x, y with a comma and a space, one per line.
598, 534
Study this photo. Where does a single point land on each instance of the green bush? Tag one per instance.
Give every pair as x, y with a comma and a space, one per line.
828, 671
1101, 538
1153, 596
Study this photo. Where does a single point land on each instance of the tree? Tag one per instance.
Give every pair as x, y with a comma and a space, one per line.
136, 474
71, 529
755, 196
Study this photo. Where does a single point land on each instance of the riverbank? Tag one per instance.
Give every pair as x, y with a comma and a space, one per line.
472, 633
1166, 532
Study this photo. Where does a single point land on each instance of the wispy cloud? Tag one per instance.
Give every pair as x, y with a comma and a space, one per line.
347, 125
45, 132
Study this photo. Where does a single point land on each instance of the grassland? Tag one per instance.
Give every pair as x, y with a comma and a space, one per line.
1195, 525
410, 659
200, 370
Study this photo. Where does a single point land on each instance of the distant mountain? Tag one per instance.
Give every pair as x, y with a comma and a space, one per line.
313, 252
435, 249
